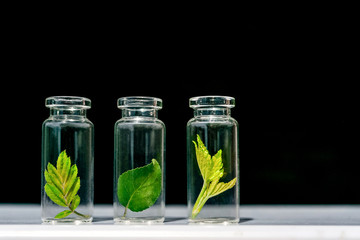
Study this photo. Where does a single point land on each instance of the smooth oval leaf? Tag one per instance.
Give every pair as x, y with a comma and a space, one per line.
139, 188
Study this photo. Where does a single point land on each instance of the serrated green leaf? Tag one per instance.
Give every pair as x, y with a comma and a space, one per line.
219, 187
63, 214
60, 162
75, 202
51, 178
47, 177
210, 167
55, 195
71, 179
65, 168
73, 191
139, 188
202, 156
63, 184
54, 177
212, 170
215, 168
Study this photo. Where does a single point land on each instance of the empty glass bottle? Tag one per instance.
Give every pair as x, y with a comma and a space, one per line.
67, 186
213, 161
139, 162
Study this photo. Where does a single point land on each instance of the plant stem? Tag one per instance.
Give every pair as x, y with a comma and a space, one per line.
77, 213
81, 215
200, 201
127, 205
124, 216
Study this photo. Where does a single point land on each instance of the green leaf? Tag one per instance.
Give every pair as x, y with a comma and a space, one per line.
212, 170
215, 168
74, 189
210, 167
52, 177
63, 184
65, 169
63, 214
71, 179
75, 202
60, 162
55, 195
203, 157
139, 188
216, 187
47, 177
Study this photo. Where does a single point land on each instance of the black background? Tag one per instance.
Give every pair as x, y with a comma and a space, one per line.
292, 71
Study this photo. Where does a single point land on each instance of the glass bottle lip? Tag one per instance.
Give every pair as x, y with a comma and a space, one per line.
139, 102
212, 101
68, 102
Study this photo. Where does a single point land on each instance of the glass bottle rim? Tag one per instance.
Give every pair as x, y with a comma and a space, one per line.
212, 101
139, 102
68, 102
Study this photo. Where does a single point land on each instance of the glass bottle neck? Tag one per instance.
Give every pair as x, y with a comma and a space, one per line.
212, 112
68, 112
139, 112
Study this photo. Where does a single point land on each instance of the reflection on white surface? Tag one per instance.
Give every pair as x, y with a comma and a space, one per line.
258, 222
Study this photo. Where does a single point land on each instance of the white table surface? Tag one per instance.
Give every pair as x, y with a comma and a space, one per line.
23, 221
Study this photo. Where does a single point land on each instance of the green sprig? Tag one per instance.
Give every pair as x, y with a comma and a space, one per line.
62, 185
212, 170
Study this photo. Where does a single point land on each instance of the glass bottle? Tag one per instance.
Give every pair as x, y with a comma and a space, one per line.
213, 161
67, 178
139, 137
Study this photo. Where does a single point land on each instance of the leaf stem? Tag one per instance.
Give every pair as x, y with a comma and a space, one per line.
127, 206
77, 213
124, 216
200, 201
81, 215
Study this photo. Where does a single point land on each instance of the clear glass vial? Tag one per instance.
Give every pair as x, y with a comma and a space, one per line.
213, 161
139, 137
67, 178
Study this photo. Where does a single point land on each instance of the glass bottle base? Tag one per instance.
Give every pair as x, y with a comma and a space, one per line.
52, 221
146, 221
224, 221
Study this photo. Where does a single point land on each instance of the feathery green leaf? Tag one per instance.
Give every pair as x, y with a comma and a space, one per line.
63, 184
